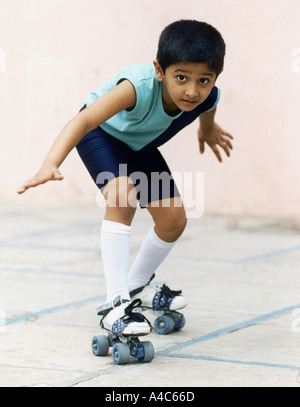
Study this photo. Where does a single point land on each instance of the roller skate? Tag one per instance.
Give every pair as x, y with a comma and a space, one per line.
163, 304
124, 326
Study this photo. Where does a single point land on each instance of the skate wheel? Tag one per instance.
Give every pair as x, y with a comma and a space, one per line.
148, 352
100, 346
180, 323
164, 325
121, 354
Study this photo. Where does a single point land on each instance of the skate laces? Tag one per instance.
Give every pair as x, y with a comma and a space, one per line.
129, 316
169, 293
163, 298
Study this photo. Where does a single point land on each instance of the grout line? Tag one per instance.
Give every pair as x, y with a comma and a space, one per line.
228, 330
49, 311
232, 361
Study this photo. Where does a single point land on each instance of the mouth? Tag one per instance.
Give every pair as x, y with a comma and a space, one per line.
190, 103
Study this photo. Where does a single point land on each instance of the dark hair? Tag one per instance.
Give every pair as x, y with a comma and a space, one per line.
191, 41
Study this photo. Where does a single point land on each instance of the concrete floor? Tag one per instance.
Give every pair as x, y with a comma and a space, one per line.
241, 277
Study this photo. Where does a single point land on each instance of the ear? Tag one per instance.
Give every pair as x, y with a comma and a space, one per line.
159, 71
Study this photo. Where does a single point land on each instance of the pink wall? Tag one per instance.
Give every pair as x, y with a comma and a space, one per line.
52, 53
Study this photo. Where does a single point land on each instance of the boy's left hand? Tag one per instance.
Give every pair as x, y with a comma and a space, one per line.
215, 136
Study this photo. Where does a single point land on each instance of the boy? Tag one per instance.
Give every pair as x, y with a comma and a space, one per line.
121, 126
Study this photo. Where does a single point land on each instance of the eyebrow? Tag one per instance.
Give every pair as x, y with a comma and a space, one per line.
183, 71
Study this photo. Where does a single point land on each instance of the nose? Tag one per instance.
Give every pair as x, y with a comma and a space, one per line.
192, 92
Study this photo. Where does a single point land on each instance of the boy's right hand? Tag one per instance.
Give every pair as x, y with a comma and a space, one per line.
44, 175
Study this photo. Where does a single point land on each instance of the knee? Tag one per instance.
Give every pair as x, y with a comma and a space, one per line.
121, 201
178, 225
171, 228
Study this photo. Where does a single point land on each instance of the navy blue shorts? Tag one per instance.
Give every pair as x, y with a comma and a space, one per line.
106, 158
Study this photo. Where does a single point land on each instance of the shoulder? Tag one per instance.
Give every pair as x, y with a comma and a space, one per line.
141, 76
146, 86
138, 73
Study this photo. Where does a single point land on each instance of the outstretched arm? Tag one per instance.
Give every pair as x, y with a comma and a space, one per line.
120, 98
211, 133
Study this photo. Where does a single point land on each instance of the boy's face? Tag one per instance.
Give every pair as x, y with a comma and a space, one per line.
185, 85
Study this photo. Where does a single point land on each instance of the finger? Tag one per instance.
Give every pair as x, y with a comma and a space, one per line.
217, 154
21, 190
202, 147
229, 144
58, 176
227, 134
225, 147
34, 182
24, 188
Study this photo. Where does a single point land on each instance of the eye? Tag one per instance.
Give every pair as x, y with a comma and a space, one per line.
181, 78
204, 81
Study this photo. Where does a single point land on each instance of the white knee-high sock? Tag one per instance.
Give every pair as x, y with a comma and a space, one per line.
115, 248
152, 253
